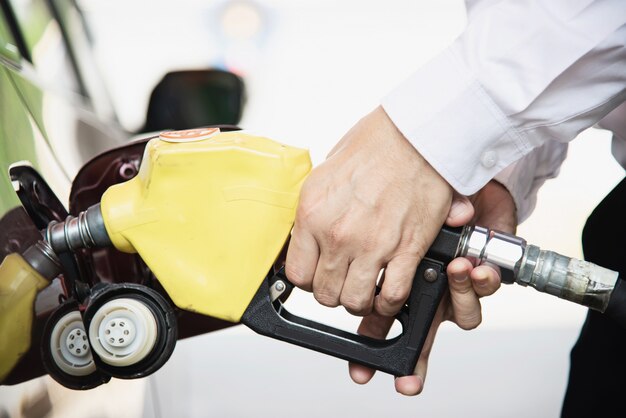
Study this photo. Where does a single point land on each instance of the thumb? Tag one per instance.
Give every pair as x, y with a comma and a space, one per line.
461, 211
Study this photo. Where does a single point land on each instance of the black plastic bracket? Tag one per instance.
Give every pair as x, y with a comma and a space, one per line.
38, 199
43, 207
397, 356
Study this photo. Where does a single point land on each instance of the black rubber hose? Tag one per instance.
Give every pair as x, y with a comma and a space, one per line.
616, 309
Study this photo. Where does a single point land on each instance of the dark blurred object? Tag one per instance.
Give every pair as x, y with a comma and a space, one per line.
189, 99
37, 198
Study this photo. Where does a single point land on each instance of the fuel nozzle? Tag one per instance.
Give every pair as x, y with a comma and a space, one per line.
568, 278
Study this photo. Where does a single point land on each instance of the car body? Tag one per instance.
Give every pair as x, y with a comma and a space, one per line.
61, 146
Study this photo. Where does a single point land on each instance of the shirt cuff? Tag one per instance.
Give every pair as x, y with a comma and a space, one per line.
447, 115
524, 178
517, 181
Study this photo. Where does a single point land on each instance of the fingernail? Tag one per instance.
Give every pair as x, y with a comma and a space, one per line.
481, 275
458, 208
481, 279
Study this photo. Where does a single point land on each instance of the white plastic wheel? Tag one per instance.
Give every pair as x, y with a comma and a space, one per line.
123, 332
69, 346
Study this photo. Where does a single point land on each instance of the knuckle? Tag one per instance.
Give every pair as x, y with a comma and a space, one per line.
296, 275
356, 306
461, 289
407, 260
394, 295
412, 247
470, 321
308, 206
370, 244
392, 298
305, 215
384, 245
326, 298
337, 235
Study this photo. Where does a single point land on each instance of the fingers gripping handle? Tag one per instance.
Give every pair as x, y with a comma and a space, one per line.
397, 356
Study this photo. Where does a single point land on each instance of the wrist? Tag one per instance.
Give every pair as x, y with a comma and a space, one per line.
437, 179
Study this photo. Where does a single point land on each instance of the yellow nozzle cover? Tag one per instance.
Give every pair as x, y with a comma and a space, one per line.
19, 284
209, 217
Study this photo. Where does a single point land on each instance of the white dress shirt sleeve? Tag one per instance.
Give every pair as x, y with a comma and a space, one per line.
616, 123
524, 177
522, 75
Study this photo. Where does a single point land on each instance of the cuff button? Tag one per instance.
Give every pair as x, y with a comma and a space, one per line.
489, 159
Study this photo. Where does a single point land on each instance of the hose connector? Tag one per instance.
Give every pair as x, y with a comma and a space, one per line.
568, 278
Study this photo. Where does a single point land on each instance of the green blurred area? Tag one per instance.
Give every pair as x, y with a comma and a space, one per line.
16, 138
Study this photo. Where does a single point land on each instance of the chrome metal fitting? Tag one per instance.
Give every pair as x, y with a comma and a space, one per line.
83, 231
493, 247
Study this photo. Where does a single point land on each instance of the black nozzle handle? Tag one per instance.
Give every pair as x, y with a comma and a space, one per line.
397, 356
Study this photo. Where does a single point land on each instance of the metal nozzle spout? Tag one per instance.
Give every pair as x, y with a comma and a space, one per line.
86, 230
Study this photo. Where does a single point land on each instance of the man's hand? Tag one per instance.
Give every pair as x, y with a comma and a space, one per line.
494, 208
374, 204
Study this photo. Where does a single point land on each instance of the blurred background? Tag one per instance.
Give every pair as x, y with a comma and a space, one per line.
311, 69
